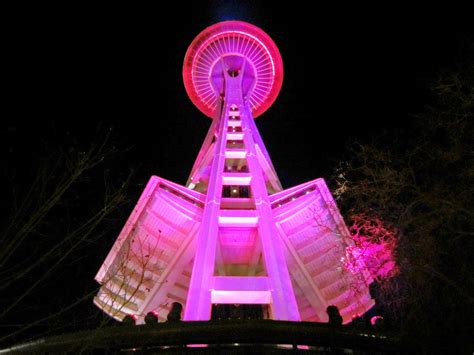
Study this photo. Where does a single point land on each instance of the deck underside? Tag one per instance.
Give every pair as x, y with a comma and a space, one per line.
149, 267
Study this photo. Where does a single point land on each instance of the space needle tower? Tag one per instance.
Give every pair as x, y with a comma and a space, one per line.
232, 235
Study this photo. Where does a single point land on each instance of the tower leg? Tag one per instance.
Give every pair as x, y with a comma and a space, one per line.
284, 306
198, 305
199, 300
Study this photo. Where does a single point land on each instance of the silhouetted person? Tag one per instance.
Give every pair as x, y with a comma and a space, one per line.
175, 314
374, 290
335, 317
129, 320
335, 320
377, 322
151, 318
378, 311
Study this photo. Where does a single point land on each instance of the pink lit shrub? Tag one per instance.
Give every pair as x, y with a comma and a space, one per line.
373, 249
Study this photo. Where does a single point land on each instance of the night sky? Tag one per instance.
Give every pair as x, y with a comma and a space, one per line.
349, 75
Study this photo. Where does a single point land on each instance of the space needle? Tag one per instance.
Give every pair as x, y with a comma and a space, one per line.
232, 235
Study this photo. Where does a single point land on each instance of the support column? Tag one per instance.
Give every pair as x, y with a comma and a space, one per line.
284, 306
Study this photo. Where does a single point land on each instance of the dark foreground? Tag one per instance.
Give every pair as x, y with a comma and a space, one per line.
255, 336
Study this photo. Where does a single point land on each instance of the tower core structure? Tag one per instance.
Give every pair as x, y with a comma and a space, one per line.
232, 235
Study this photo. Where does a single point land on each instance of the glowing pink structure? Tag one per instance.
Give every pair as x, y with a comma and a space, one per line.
232, 235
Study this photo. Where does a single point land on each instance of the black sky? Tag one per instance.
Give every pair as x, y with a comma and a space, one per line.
348, 75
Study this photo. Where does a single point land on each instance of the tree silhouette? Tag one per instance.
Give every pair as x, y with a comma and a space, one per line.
421, 181
53, 222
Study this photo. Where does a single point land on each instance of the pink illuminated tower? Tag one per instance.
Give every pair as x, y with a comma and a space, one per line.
232, 235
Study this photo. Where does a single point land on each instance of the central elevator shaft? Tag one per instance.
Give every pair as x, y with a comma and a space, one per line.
237, 200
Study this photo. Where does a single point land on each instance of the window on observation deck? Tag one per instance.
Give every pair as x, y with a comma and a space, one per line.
236, 166
236, 191
234, 130
244, 191
235, 144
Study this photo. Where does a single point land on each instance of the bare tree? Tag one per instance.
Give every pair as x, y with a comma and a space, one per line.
129, 280
51, 226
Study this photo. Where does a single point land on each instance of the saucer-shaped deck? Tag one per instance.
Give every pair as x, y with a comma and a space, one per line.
240, 49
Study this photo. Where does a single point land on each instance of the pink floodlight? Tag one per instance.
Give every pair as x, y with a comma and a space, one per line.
241, 48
